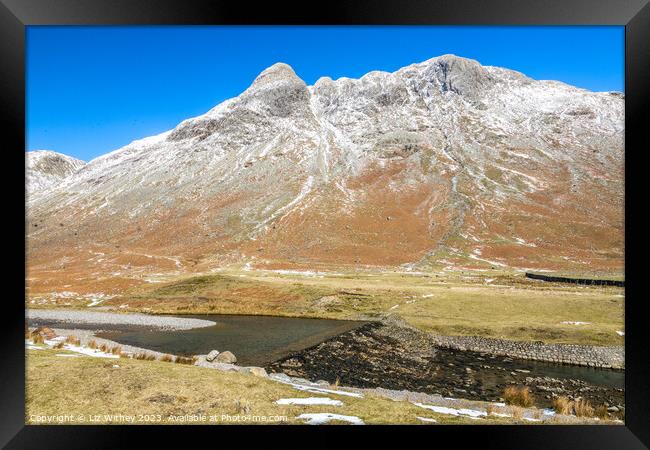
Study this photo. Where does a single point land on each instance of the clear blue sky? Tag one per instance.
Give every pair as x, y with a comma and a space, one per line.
91, 90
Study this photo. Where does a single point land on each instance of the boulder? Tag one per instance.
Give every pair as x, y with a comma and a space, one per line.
212, 355
257, 371
226, 357
202, 362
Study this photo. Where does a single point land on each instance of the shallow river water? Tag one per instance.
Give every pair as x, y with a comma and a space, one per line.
266, 341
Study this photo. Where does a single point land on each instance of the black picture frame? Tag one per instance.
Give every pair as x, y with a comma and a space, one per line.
15, 15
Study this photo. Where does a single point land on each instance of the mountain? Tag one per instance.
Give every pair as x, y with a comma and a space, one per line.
441, 163
46, 169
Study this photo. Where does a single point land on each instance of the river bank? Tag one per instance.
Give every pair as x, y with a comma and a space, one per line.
385, 355
394, 356
98, 318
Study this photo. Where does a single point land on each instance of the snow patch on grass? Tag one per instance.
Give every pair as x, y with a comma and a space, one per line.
426, 419
322, 418
309, 401
452, 411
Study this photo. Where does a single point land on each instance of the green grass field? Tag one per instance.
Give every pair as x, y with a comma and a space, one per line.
490, 304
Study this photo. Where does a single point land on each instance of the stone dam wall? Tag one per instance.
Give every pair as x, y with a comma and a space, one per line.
585, 281
582, 355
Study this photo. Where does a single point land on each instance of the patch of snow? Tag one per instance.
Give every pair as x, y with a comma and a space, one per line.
620, 333
530, 419
322, 418
393, 307
316, 390
453, 411
520, 241
95, 302
494, 263
576, 323
81, 350
309, 401
427, 419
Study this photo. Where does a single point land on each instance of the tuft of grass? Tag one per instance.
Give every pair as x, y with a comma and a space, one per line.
103, 348
517, 412
73, 340
562, 405
184, 360
601, 412
518, 396
92, 344
38, 338
242, 407
583, 408
58, 345
167, 358
116, 350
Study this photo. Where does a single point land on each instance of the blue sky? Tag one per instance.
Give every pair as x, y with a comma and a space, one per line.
91, 90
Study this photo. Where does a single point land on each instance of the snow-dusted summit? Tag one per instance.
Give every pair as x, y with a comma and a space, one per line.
46, 169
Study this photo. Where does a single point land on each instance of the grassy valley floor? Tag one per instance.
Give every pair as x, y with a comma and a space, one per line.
88, 390
487, 304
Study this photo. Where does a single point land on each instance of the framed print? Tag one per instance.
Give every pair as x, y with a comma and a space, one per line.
411, 218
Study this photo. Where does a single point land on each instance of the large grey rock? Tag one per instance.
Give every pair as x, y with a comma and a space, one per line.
201, 361
257, 371
212, 355
226, 357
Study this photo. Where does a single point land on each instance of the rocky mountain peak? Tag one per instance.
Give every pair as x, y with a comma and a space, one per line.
278, 73
277, 92
463, 76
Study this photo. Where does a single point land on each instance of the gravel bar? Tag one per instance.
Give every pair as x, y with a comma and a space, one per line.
106, 318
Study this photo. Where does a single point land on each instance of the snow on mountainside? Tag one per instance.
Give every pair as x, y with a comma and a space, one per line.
46, 169
441, 162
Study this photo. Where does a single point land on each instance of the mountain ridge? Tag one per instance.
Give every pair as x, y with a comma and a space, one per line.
441, 162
